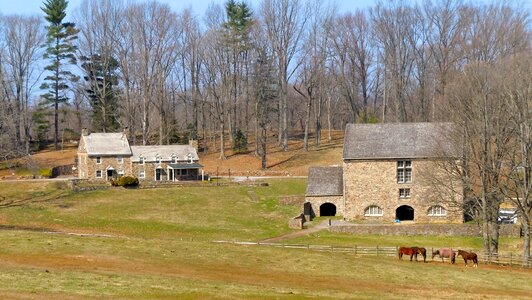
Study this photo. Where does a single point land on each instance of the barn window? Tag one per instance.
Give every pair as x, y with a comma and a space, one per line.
373, 211
437, 211
142, 174
404, 171
98, 160
404, 193
98, 173
120, 159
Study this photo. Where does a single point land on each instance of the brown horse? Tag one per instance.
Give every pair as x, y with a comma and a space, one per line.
468, 256
445, 252
412, 251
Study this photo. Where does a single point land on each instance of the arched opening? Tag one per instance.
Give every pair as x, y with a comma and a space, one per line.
404, 213
327, 210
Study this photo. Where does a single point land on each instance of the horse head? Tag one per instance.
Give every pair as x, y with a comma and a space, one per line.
434, 253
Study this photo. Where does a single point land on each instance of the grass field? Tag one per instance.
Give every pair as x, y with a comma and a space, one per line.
157, 243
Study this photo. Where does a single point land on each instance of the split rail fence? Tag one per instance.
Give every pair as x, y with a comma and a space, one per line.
504, 258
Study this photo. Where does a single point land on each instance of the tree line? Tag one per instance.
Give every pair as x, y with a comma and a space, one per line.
283, 66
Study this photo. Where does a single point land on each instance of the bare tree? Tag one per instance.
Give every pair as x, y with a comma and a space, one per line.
24, 37
284, 21
516, 90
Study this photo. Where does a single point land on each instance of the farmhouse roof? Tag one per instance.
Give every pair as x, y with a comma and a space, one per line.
398, 140
106, 144
164, 152
325, 181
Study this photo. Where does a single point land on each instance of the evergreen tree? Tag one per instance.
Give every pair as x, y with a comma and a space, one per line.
240, 142
59, 51
266, 90
101, 75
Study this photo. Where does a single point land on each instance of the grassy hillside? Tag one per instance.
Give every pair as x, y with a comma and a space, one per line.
157, 243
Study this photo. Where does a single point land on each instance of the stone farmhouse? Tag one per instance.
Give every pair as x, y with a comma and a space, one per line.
383, 177
107, 156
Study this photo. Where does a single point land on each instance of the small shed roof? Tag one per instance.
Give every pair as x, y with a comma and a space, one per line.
398, 140
106, 144
165, 152
325, 181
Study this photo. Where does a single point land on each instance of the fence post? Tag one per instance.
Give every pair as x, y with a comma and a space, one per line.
377, 250
510, 259
355, 249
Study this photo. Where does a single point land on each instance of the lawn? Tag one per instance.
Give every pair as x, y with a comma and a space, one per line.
157, 243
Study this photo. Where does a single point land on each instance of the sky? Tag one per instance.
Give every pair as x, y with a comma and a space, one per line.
28, 7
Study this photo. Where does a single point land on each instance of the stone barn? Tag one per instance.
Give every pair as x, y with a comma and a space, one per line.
384, 175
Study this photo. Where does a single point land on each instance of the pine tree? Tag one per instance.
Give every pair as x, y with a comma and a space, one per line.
101, 75
59, 51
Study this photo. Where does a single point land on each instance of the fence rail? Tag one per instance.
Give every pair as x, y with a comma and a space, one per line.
503, 258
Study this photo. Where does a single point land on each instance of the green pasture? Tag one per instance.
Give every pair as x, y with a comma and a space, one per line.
158, 243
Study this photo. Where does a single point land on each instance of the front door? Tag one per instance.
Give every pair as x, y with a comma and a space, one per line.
158, 173
109, 174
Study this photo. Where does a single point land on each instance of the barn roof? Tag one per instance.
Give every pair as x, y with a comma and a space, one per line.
165, 152
398, 140
325, 181
106, 144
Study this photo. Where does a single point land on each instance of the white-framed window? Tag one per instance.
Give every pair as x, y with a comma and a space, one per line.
98, 173
373, 211
437, 210
404, 193
158, 159
190, 158
98, 160
141, 160
142, 174
174, 159
120, 159
404, 171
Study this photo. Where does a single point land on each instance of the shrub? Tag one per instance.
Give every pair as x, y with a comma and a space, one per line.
47, 173
126, 181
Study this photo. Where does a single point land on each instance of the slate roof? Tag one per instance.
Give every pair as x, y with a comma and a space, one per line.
106, 144
325, 181
165, 152
398, 140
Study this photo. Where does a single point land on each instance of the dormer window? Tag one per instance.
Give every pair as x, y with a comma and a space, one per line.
174, 159
98, 160
190, 158
141, 160
158, 159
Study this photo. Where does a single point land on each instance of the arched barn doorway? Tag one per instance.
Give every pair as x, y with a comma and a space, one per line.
404, 213
327, 210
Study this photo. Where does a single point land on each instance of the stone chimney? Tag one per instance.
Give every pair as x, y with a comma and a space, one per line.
193, 143
126, 132
85, 132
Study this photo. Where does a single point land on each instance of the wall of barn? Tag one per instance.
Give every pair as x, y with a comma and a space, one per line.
317, 201
374, 182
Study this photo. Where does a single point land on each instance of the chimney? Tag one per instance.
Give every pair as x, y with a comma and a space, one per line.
85, 132
126, 132
193, 143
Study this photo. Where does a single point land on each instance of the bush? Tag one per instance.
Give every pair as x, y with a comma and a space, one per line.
125, 181
46, 173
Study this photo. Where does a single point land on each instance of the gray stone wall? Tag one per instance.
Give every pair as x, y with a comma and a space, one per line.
317, 201
89, 166
424, 229
368, 183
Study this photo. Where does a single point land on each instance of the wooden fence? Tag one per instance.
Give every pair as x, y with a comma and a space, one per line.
503, 258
